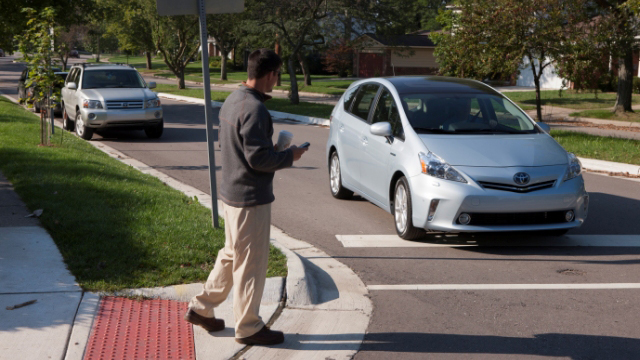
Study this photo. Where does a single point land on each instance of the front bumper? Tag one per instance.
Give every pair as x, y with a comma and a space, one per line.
457, 198
101, 118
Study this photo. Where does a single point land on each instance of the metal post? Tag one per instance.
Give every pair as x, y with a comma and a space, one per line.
207, 110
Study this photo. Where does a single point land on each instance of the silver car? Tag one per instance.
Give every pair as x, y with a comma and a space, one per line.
452, 155
110, 96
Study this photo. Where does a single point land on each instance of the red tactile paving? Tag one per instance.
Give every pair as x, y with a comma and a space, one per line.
147, 329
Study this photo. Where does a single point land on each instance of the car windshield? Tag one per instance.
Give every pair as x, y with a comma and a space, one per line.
465, 114
95, 79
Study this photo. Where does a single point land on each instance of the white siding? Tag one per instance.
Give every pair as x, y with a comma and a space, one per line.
548, 80
420, 58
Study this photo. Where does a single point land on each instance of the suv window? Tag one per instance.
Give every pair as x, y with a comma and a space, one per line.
72, 76
387, 110
363, 100
96, 79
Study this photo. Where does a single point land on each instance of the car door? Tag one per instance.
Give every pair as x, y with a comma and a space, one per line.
379, 152
353, 132
64, 93
72, 95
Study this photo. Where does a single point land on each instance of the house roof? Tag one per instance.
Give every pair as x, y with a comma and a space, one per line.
410, 40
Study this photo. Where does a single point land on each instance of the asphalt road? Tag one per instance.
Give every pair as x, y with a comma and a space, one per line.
441, 324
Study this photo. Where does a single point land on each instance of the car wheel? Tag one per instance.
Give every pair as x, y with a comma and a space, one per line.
82, 130
402, 212
335, 179
155, 131
67, 124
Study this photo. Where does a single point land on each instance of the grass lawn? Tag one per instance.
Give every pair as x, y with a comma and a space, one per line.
570, 99
608, 115
598, 147
336, 87
115, 227
277, 104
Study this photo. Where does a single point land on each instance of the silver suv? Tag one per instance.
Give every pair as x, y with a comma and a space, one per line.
109, 96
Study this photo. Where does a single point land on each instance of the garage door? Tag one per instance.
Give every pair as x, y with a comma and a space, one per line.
370, 65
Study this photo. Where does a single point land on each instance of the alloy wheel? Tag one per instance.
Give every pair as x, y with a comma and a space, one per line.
335, 175
401, 208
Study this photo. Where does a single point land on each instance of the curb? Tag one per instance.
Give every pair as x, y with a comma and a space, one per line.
276, 114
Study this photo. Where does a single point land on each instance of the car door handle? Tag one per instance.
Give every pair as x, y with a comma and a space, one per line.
365, 141
341, 128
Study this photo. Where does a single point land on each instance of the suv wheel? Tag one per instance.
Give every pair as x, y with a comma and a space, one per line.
335, 179
402, 211
81, 129
67, 124
155, 131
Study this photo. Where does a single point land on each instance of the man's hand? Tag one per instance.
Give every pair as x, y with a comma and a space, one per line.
297, 152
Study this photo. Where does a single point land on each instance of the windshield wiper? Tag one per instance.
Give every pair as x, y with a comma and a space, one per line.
432, 130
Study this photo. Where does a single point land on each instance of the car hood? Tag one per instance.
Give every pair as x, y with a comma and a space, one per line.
496, 150
119, 94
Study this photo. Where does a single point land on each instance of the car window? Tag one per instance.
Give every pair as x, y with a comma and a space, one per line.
363, 100
349, 96
96, 79
71, 76
387, 110
464, 113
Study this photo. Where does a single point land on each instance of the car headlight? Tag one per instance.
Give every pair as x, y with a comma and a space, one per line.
153, 103
433, 165
92, 104
575, 167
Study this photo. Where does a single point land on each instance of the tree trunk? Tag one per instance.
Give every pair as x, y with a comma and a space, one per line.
98, 52
278, 50
180, 75
223, 64
293, 92
536, 81
149, 64
305, 69
625, 83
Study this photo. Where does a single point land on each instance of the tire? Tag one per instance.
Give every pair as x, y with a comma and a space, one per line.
82, 130
155, 131
402, 211
335, 179
67, 124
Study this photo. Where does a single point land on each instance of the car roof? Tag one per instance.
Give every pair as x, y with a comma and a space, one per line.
439, 84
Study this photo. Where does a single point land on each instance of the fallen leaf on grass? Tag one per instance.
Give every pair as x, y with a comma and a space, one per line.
36, 213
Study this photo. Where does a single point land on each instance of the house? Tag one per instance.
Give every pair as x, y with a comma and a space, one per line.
391, 55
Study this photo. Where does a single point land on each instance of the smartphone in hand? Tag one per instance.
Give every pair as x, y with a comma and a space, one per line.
304, 146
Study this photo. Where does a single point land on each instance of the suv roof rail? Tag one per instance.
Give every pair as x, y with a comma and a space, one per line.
106, 64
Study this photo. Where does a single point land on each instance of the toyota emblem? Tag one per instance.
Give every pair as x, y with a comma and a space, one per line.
521, 178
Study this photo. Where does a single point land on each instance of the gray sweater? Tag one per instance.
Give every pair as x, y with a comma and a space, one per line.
248, 157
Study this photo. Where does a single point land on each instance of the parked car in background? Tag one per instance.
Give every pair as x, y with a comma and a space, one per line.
451, 155
26, 93
110, 96
57, 108
1, 53
74, 54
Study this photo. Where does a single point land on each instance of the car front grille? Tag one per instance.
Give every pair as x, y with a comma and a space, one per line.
518, 189
125, 104
531, 218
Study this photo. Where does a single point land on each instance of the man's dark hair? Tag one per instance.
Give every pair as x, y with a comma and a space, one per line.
262, 62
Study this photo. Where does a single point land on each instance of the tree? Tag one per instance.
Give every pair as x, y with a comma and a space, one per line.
624, 24
35, 44
128, 23
67, 39
339, 57
227, 30
294, 21
490, 37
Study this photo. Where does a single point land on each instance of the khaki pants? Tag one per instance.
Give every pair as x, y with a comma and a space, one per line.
241, 264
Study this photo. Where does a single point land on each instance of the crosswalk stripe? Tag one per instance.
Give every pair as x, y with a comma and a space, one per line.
394, 241
423, 287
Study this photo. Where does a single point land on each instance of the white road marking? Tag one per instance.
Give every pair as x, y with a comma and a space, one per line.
394, 241
506, 286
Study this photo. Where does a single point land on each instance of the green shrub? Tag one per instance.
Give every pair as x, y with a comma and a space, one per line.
214, 62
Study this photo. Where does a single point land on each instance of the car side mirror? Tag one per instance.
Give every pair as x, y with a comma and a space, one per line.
545, 127
381, 129
152, 85
72, 86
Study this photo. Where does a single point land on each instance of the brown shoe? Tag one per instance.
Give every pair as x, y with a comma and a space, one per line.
265, 336
209, 324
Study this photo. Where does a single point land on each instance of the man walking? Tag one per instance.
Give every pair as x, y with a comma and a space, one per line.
249, 161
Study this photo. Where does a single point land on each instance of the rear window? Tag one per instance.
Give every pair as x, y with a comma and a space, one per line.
96, 79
